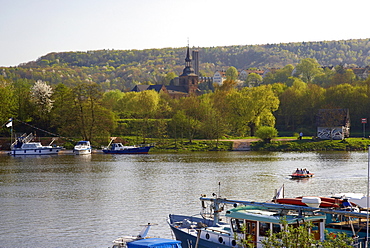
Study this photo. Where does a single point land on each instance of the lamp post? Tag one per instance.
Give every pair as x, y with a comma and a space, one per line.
363, 121
367, 198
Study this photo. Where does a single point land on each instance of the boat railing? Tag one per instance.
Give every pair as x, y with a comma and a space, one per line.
145, 145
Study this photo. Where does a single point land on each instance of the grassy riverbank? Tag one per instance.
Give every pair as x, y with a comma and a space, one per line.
349, 144
277, 144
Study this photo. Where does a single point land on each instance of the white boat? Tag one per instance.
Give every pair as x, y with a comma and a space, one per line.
25, 146
82, 147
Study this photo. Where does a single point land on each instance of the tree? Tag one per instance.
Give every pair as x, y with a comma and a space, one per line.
266, 133
214, 124
7, 101
90, 119
251, 107
111, 98
41, 95
342, 76
291, 108
63, 107
253, 79
232, 73
279, 76
308, 68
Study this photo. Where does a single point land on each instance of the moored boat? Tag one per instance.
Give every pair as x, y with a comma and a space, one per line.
142, 241
119, 148
82, 148
25, 146
250, 221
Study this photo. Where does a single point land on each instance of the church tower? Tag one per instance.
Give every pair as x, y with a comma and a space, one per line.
188, 78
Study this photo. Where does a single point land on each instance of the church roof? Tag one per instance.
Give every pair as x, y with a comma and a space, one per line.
139, 88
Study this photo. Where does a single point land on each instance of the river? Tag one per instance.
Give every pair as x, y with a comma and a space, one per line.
90, 200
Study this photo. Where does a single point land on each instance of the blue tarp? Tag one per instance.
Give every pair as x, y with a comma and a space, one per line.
154, 243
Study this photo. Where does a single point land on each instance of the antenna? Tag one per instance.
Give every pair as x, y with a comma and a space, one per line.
219, 189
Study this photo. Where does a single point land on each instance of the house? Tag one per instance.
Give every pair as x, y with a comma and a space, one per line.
244, 73
361, 73
219, 77
185, 85
333, 124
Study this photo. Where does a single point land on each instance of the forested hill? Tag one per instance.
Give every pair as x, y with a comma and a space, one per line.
124, 68
351, 52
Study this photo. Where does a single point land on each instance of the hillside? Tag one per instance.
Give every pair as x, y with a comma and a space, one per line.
122, 69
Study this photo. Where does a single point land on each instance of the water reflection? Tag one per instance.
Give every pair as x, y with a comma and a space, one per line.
68, 200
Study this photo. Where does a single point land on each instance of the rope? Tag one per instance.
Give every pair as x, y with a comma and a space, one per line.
56, 135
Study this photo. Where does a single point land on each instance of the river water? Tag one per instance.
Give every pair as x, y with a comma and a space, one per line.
88, 201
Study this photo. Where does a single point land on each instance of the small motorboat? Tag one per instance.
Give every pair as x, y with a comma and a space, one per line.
119, 148
25, 146
300, 174
82, 147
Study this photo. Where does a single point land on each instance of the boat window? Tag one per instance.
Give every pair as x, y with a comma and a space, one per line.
276, 228
253, 228
264, 228
237, 225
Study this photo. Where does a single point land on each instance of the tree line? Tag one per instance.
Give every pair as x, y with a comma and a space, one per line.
289, 101
123, 69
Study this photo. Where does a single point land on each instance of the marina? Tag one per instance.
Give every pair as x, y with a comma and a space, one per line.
68, 201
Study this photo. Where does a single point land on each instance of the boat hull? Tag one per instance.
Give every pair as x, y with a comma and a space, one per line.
188, 237
298, 202
189, 241
135, 150
85, 151
301, 176
37, 151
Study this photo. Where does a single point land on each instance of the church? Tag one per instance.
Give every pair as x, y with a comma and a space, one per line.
186, 84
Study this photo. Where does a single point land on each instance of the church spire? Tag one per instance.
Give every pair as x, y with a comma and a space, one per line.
188, 70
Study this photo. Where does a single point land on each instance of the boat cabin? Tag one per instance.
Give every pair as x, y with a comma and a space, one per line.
33, 145
83, 143
255, 222
119, 146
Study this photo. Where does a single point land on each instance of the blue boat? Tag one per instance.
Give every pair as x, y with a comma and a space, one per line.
155, 243
118, 148
142, 241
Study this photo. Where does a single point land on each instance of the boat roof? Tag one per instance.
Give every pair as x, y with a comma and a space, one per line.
154, 242
82, 142
269, 215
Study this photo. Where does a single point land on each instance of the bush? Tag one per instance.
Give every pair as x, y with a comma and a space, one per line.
266, 133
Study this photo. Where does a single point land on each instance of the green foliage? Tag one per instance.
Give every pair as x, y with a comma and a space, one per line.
266, 133
300, 236
231, 73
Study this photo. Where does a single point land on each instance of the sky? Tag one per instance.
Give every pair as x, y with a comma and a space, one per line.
30, 29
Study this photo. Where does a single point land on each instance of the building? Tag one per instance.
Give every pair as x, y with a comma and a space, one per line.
185, 85
244, 73
219, 77
333, 124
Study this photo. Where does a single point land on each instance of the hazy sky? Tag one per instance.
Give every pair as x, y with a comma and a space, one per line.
30, 29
